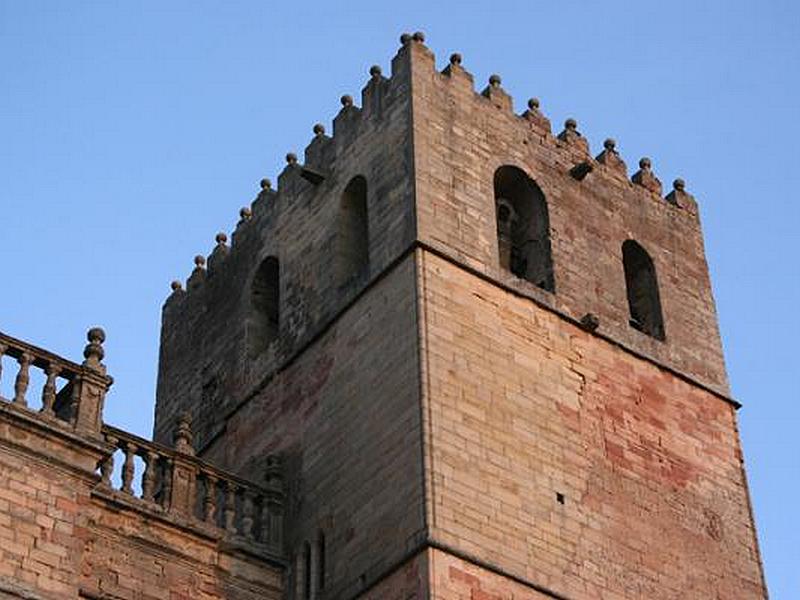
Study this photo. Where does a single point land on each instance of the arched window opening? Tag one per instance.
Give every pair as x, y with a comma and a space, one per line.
642, 286
523, 227
352, 235
321, 561
264, 306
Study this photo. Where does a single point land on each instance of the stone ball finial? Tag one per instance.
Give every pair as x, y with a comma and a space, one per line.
221, 238
199, 261
418, 36
609, 144
96, 335
346, 100
176, 286
571, 124
646, 178
590, 322
405, 38
375, 71
679, 185
245, 213
319, 129
93, 352
533, 104
291, 158
265, 184
455, 58
495, 81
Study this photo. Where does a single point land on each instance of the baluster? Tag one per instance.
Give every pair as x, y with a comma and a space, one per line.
166, 489
128, 467
107, 466
265, 520
247, 514
74, 399
149, 476
49, 389
22, 380
230, 506
274, 501
210, 500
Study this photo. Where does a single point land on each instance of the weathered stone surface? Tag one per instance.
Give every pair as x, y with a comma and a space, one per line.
526, 408
471, 409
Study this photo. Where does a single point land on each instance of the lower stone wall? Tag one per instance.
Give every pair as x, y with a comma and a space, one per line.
568, 462
43, 517
129, 555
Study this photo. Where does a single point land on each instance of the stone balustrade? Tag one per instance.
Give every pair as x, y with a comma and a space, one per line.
73, 394
178, 483
172, 483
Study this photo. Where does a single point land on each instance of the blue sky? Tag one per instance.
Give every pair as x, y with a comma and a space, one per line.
131, 133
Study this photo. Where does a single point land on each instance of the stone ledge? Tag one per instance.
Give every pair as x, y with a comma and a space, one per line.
58, 438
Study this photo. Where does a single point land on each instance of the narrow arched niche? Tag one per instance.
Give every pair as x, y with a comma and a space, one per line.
352, 233
523, 227
321, 559
644, 302
307, 574
264, 321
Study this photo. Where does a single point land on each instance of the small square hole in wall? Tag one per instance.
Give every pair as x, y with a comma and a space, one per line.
559, 497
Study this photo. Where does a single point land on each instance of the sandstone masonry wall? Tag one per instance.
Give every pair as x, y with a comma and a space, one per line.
446, 426
566, 461
453, 578
128, 555
345, 415
204, 364
461, 138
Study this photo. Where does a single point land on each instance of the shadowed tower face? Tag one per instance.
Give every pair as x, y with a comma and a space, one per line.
489, 361
264, 323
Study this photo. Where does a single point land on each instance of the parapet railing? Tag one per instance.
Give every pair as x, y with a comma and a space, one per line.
175, 481
78, 403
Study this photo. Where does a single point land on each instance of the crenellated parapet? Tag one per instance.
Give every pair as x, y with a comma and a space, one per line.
465, 138
213, 321
321, 154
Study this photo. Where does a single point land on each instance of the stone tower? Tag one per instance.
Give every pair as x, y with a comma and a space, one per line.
489, 362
